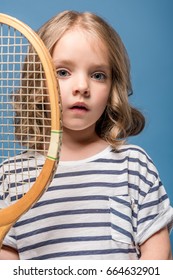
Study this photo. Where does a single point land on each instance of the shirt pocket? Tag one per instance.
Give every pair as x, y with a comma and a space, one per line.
121, 219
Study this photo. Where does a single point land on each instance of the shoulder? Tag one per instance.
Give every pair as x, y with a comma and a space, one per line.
132, 151
138, 160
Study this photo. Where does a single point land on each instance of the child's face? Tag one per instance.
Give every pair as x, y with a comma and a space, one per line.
84, 76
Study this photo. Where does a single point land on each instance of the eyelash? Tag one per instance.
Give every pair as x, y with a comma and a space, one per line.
102, 76
97, 75
59, 73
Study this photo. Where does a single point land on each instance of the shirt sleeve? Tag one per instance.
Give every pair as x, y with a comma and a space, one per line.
154, 208
9, 239
155, 212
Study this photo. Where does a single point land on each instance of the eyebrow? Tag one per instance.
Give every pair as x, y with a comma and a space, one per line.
70, 63
102, 66
63, 61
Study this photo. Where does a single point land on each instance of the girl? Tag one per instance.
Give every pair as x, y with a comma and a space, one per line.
106, 200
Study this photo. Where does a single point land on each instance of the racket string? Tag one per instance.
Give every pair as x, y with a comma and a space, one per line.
24, 114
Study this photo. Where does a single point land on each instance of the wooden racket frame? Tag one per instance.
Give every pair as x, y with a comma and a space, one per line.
12, 213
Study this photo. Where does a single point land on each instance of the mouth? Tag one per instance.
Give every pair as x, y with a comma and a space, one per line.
80, 106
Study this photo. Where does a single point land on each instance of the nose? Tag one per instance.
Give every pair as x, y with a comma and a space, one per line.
81, 86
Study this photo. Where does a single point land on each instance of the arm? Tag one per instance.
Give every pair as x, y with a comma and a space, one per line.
8, 253
157, 247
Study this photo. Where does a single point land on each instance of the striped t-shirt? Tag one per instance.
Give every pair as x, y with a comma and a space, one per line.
102, 207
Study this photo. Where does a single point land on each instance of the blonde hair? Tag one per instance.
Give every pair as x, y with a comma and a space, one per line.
119, 120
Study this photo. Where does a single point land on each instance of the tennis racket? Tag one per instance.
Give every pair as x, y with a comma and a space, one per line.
30, 120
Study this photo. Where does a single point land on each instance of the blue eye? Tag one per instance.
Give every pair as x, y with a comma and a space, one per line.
99, 76
62, 73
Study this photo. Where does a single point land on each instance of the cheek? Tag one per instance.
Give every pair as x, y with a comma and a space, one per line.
100, 106
61, 86
64, 91
102, 98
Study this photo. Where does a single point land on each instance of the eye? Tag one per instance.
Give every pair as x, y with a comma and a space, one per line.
99, 76
62, 73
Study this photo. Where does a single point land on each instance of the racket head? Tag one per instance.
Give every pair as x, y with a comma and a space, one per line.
30, 120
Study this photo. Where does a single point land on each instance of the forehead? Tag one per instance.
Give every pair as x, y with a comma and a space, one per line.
79, 41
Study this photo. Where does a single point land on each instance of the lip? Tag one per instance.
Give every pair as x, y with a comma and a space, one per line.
81, 106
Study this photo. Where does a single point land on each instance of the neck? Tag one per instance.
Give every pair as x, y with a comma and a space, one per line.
79, 145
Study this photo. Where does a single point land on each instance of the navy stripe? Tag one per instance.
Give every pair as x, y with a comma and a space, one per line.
153, 203
147, 218
62, 213
21, 183
128, 159
70, 199
122, 231
143, 178
73, 186
121, 215
23, 173
17, 159
91, 172
105, 172
63, 226
84, 253
66, 240
137, 150
121, 201
156, 188
88, 185
107, 160
136, 188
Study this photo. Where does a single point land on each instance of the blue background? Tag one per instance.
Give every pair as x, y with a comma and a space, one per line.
145, 27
